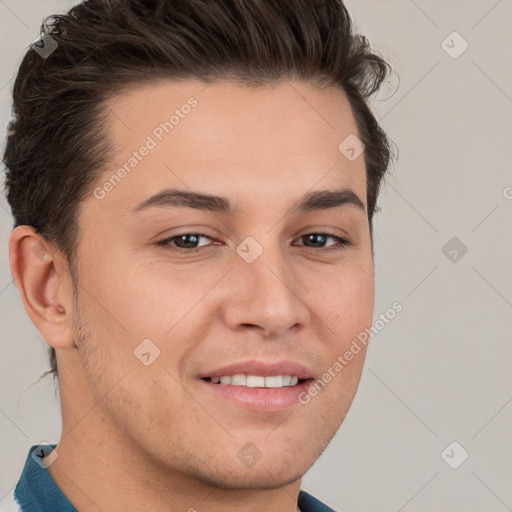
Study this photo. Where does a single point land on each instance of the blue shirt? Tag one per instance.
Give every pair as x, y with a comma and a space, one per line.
36, 491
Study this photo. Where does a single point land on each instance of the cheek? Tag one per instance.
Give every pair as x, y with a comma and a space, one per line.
345, 302
345, 307
149, 316
135, 301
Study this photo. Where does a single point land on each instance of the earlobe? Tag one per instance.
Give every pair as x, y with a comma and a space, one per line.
41, 276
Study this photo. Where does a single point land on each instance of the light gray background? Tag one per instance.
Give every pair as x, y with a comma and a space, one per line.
440, 371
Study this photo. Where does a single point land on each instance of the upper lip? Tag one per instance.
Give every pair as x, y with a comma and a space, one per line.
265, 369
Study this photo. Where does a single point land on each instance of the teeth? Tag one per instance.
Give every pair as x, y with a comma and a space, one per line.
257, 381
274, 382
238, 380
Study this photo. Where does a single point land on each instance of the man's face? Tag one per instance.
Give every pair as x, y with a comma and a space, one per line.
253, 288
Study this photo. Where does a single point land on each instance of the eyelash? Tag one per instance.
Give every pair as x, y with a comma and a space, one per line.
342, 242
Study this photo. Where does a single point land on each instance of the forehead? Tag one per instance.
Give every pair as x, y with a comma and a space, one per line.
223, 137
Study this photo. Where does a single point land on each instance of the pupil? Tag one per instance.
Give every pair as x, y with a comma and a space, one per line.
192, 240
316, 238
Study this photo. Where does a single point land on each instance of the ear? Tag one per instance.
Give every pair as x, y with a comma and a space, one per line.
42, 277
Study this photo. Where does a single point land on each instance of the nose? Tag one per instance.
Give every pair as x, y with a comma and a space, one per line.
266, 295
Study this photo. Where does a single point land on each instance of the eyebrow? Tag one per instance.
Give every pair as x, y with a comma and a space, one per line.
317, 200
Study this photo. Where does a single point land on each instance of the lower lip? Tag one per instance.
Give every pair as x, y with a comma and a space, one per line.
260, 399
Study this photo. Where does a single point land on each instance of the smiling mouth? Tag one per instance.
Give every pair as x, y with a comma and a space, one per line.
261, 393
256, 381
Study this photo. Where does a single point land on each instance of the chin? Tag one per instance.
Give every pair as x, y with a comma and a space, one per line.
261, 478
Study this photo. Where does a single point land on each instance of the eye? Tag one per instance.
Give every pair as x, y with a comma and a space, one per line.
190, 242
320, 239
186, 242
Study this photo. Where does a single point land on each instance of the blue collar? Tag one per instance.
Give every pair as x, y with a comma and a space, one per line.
308, 503
36, 490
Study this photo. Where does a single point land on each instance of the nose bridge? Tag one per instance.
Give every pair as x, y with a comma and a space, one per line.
265, 293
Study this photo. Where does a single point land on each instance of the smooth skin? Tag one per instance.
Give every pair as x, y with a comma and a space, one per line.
149, 437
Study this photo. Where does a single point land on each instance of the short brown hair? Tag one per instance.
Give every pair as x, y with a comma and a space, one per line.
56, 140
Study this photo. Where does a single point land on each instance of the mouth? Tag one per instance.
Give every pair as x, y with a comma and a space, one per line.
254, 392
257, 381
